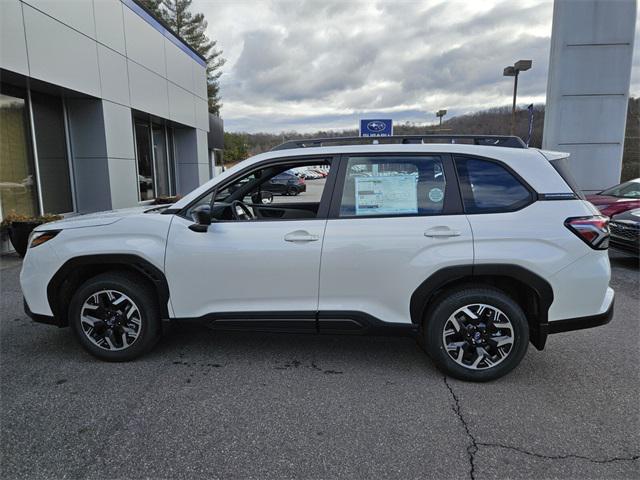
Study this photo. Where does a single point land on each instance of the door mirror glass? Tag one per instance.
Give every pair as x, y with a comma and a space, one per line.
262, 198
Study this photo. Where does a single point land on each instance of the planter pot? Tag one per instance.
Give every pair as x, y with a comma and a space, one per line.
19, 235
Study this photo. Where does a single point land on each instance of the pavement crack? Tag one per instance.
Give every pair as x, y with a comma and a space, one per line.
472, 448
632, 458
474, 444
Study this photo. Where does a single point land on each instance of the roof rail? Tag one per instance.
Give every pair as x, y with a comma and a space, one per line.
487, 140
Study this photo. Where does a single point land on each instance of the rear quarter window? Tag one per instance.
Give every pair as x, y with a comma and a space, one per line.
488, 187
561, 165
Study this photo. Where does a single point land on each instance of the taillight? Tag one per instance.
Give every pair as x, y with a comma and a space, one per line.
594, 231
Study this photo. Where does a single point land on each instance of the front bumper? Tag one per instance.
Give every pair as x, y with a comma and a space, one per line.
36, 317
628, 246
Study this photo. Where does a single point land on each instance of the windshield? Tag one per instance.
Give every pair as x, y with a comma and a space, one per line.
630, 189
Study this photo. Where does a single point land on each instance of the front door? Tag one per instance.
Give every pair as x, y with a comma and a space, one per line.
260, 273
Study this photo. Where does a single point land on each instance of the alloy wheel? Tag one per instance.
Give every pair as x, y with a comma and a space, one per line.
111, 320
478, 336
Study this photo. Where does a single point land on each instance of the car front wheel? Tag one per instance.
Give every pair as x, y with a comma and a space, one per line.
476, 334
115, 316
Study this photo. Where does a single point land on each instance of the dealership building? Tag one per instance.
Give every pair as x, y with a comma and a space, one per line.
101, 107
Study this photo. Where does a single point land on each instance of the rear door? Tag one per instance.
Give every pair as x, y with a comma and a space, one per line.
394, 221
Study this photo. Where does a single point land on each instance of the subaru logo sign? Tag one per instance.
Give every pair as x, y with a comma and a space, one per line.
376, 127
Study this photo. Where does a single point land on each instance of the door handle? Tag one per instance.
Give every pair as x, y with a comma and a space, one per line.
301, 236
441, 232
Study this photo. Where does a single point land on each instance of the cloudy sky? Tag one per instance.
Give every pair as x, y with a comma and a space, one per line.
322, 64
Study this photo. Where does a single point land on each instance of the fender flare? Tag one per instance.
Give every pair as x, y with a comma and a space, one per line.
129, 261
441, 278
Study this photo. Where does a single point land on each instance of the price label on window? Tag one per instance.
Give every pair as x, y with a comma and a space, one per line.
384, 195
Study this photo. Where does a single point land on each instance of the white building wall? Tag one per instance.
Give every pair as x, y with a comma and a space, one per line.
13, 47
105, 49
588, 86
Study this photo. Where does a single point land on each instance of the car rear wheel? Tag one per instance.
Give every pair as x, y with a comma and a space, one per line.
476, 334
292, 191
115, 316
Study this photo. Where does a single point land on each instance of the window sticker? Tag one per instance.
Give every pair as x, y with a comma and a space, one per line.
381, 195
436, 195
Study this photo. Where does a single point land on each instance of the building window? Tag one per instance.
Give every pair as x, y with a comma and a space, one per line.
154, 150
17, 174
161, 160
51, 152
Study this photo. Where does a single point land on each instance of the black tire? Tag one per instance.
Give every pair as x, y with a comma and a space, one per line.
292, 191
148, 314
438, 315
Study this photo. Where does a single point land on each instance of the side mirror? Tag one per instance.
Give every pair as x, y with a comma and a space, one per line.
202, 218
262, 198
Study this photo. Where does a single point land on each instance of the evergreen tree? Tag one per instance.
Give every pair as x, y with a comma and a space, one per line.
192, 29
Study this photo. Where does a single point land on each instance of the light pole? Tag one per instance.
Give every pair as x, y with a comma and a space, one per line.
513, 71
440, 114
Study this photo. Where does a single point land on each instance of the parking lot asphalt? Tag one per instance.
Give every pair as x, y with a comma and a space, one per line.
221, 405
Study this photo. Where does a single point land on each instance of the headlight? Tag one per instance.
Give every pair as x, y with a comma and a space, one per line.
38, 238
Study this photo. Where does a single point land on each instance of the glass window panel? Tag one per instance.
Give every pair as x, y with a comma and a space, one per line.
488, 187
393, 186
284, 191
145, 162
162, 165
17, 175
53, 163
172, 162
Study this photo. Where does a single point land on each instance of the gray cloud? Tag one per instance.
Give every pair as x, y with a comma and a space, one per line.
322, 64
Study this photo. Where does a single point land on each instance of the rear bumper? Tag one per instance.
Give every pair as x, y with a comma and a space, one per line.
581, 323
538, 336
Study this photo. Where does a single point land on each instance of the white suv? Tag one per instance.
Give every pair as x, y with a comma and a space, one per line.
477, 249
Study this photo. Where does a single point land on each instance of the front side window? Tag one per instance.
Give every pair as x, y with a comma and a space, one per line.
488, 187
282, 191
402, 185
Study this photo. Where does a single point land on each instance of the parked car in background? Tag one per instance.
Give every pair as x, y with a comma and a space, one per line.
618, 199
625, 231
285, 183
309, 173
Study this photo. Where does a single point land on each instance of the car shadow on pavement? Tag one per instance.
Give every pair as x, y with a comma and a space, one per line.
191, 343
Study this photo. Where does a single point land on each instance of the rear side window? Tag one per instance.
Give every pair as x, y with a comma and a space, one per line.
488, 187
393, 186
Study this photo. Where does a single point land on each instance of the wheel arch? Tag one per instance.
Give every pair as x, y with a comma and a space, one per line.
532, 292
79, 269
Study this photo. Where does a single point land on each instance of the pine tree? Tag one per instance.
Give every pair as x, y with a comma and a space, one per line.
192, 29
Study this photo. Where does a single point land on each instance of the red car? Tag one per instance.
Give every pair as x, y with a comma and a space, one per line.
620, 198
